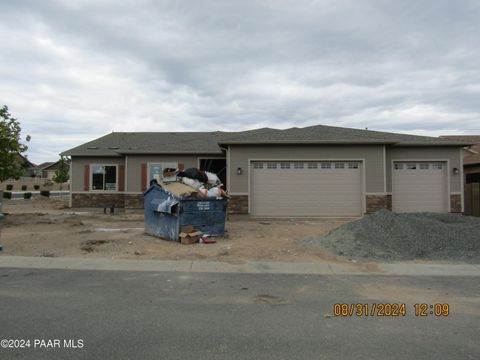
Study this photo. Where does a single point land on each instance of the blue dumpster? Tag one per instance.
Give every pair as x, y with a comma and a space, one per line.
166, 214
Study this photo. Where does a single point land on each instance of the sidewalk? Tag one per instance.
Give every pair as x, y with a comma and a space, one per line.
251, 267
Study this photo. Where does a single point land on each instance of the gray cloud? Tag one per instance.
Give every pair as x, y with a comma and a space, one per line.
72, 71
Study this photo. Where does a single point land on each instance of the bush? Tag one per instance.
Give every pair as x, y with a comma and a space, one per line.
45, 193
7, 195
27, 195
24, 187
36, 187
9, 187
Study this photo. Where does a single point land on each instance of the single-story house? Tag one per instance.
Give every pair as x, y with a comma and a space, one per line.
47, 170
312, 171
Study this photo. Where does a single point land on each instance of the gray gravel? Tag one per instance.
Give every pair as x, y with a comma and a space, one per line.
391, 236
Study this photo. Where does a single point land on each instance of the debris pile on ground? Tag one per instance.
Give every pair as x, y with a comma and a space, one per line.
392, 236
191, 182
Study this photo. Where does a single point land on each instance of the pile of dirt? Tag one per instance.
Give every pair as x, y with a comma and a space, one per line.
391, 236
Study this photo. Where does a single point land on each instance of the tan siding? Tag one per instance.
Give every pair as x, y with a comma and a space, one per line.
373, 155
78, 166
452, 154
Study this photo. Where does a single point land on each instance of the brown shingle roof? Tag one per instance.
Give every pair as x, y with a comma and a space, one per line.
118, 143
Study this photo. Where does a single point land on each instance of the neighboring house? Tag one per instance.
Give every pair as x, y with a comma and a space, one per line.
312, 171
47, 170
28, 166
471, 157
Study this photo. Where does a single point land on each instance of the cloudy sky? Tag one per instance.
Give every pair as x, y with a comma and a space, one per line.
74, 70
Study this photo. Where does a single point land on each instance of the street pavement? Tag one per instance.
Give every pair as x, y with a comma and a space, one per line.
227, 315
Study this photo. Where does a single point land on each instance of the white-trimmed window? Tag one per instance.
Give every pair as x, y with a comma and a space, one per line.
284, 165
353, 165
271, 165
104, 177
258, 165
298, 165
411, 166
424, 166
326, 165
313, 165
398, 166
437, 166
155, 170
339, 165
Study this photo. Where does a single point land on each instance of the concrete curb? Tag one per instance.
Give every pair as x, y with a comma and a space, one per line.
251, 267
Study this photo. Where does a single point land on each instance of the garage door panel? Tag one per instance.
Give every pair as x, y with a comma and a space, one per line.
420, 190
306, 192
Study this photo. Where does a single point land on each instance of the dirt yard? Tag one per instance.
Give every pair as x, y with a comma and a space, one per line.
47, 227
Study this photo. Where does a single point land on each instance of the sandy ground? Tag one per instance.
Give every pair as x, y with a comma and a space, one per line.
47, 227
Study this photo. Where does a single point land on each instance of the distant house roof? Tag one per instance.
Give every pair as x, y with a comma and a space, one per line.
45, 165
474, 152
26, 163
124, 143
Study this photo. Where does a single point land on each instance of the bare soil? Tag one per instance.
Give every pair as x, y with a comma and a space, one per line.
47, 227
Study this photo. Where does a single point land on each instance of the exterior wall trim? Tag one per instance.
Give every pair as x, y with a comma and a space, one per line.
427, 160
384, 168
462, 183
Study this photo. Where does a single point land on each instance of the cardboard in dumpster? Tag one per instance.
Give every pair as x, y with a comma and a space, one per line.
179, 189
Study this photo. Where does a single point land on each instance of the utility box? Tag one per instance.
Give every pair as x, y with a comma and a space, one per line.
166, 214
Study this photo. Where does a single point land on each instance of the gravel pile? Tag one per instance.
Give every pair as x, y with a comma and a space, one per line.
391, 236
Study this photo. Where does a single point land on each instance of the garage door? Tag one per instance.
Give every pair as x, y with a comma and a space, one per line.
296, 188
419, 186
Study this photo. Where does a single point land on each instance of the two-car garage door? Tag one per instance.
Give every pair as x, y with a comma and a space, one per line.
306, 188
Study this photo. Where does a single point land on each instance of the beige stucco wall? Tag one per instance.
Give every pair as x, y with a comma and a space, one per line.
239, 155
134, 164
452, 154
78, 166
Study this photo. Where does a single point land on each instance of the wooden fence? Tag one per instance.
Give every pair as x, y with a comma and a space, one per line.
472, 199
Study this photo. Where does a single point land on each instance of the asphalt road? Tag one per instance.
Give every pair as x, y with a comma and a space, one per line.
165, 315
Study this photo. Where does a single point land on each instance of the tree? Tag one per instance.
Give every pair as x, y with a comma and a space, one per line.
62, 173
11, 146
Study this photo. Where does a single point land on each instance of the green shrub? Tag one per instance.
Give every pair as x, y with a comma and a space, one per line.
7, 195
27, 195
9, 187
36, 187
45, 193
24, 187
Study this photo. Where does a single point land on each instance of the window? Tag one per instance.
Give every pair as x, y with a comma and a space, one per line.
271, 165
284, 165
398, 166
353, 165
339, 166
424, 166
155, 170
312, 165
258, 165
437, 166
326, 165
411, 166
298, 165
104, 177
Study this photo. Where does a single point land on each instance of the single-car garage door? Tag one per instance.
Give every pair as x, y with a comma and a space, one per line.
420, 186
306, 188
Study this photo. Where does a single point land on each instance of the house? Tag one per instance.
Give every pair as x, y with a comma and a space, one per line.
47, 170
312, 171
471, 157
